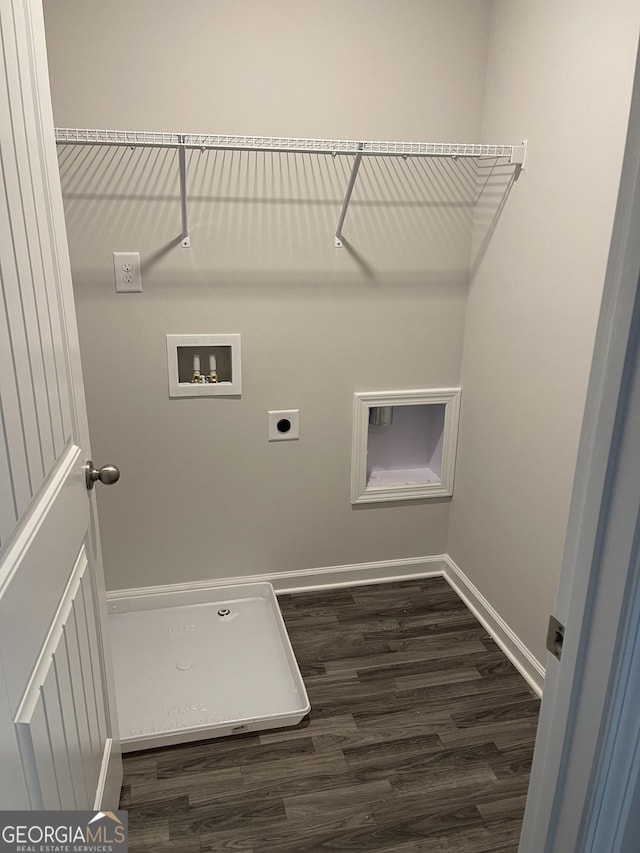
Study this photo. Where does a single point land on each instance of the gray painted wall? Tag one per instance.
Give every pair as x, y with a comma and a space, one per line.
203, 494
560, 75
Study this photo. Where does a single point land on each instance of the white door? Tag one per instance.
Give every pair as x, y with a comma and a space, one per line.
58, 730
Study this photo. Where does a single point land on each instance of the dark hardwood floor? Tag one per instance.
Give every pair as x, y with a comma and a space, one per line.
420, 737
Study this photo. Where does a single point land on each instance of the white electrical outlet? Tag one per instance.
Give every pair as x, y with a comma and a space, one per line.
126, 269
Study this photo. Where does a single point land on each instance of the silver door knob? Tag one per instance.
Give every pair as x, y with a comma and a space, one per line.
108, 474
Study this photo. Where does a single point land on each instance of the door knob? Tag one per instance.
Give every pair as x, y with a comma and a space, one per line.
108, 474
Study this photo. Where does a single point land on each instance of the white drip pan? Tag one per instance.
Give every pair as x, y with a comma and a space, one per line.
201, 664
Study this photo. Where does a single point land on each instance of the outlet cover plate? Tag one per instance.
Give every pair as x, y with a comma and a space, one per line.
284, 425
126, 270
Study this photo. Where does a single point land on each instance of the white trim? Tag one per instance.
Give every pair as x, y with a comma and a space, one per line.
31, 696
361, 574
109, 781
513, 647
616, 818
305, 580
22, 537
363, 402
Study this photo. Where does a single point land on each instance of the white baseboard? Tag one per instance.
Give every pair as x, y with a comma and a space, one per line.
307, 580
519, 655
110, 779
383, 571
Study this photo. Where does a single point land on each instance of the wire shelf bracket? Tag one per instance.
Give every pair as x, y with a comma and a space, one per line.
515, 155
185, 239
347, 198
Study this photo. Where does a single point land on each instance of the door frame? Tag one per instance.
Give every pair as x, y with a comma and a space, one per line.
585, 774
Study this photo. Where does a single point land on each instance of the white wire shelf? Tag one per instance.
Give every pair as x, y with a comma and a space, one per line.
513, 154
155, 139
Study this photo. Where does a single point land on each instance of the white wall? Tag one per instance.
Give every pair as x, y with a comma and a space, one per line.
203, 494
559, 74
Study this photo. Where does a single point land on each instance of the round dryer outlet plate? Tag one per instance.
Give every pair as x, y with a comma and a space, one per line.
284, 425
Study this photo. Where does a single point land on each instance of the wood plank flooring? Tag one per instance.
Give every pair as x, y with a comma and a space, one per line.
420, 738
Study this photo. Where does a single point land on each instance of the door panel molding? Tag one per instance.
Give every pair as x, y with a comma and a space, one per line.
55, 737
